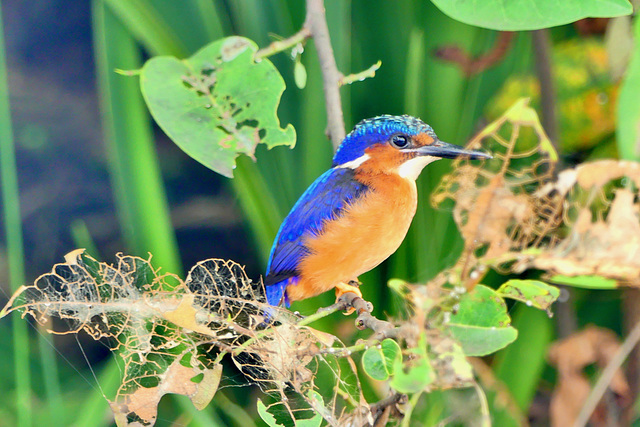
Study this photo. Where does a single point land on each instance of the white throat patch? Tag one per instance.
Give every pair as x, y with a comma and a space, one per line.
411, 168
353, 164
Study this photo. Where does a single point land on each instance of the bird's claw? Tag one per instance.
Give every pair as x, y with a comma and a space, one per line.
342, 288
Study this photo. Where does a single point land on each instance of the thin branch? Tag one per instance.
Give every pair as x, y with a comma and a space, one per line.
607, 375
358, 77
317, 22
383, 408
542, 54
284, 44
470, 65
365, 319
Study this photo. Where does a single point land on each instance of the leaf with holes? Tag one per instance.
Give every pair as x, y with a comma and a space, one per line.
217, 104
534, 293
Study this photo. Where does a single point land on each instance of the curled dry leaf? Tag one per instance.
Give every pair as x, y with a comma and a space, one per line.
570, 356
494, 207
602, 207
514, 213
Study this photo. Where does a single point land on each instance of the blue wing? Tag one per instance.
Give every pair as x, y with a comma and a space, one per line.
324, 200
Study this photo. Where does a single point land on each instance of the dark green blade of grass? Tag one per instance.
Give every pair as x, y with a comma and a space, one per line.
140, 195
13, 233
148, 27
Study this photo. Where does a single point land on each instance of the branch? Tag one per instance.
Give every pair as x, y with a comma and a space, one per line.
284, 44
316, 21
542, 54
365, 319
382, 409
358, 77
471, 66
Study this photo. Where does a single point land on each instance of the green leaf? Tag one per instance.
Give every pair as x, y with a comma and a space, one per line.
481, 324
217, 104
420, 373
378, 361
533, 293
314, 421
266, 416
628, 111
587, 282
521, 15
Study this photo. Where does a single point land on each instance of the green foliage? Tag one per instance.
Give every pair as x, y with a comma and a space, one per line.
588, 282
379, 361
217, 104
481, 323
415, 375
523, 15
533, 293
314, 421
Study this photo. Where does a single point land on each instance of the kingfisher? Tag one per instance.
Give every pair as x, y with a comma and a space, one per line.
356, 214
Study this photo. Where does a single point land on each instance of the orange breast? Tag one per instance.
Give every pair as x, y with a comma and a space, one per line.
364, 236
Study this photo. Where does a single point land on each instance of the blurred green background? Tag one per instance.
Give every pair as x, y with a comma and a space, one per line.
94, 171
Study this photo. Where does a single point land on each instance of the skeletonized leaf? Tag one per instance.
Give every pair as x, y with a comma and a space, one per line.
171, 335
155, 321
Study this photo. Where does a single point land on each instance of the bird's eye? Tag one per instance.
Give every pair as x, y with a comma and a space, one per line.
399, 141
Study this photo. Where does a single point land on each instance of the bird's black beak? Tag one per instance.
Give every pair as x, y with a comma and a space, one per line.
450, 151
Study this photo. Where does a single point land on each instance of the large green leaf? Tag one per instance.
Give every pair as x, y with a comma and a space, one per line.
481, 324
217, 104
628, 111
520, 15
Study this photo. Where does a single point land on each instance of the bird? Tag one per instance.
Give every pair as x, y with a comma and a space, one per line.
357, 213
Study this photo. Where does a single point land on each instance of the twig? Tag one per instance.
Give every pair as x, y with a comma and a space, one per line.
317, 22
284, 44
542, 52
603, 382
365, 319
358, 77
471, 66
384, 407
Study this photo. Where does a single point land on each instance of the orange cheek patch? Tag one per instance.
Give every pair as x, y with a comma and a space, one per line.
383, 158
423, 139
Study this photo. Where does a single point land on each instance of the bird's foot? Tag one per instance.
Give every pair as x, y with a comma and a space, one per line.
342, 288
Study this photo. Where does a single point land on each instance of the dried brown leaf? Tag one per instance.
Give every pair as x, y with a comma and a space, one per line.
140, 408
571, 355
514, 214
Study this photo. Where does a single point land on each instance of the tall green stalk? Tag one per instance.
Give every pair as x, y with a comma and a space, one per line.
13, 232
134, 168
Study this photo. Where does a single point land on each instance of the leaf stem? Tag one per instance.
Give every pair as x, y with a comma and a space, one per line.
358, 77
284, 44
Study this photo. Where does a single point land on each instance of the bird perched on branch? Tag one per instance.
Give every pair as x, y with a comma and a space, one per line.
356, 214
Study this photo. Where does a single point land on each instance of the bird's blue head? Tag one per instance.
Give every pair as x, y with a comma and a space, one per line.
398, 139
